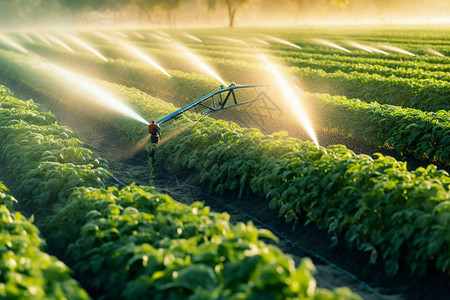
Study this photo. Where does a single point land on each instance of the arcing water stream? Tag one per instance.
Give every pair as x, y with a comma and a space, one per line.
199, 63
94, 92
10, 42
281, 41
84, 45
330, 44
291, 96
138, 53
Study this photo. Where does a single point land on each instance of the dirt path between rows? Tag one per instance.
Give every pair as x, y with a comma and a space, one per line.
336, 266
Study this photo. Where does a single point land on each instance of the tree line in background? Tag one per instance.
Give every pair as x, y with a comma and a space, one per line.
29, 13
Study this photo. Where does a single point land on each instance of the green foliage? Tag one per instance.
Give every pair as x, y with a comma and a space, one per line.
426, 135
369, 201
25, 271
5, 197
426, 94
134, 242
46, 158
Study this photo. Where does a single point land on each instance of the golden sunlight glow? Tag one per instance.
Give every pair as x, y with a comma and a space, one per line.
61, 43
178, 130
121, 34
138, 53
396, 49
27, 37
190, 36
137, 34
84, 45
94, 92
434, 52
126, 152
281, 41
256, 40
377, 50
330, 44
199, 63
42, 38
366, 48
103, 36
359, 46
292, 97
227, 39
10, 42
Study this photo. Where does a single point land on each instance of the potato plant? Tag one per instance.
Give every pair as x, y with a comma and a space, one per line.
26, 271
135, 242
46, 158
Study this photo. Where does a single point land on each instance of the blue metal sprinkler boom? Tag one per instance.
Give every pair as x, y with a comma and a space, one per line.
221, 98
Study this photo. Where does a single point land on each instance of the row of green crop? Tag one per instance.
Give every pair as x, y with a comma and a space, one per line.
362, 66
26, 272
47, 159
134, 242
408, 131
426, 135
220, 49
377, 204
339, 190
424, 94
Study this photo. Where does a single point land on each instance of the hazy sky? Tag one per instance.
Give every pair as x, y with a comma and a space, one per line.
20, 13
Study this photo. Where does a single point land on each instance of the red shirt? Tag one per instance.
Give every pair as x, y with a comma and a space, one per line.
151, 128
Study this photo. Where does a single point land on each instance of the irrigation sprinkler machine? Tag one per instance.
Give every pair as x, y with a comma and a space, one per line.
256, 95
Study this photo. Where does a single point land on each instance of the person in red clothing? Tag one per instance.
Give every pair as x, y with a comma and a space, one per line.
155, 131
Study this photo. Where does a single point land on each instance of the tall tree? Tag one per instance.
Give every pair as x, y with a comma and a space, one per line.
146, 7
169, 6
232, 6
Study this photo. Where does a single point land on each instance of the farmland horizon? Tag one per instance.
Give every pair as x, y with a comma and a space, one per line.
333, 27
197, 14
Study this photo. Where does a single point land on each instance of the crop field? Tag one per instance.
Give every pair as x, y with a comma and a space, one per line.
351, 145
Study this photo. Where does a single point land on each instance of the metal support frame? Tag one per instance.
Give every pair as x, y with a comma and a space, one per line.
221, 99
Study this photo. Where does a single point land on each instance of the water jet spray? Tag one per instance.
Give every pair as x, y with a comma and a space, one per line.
281, 41
199, 63
83, 85
135, 51
291, 96
42, 38
27, 37
330, 44
4, 39
434, 52
190, 36
396, 49
84, 45
61, 43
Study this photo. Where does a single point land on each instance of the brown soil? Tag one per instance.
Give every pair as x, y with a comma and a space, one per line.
336, 266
